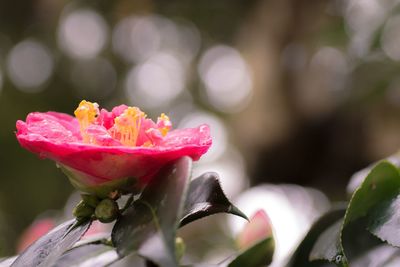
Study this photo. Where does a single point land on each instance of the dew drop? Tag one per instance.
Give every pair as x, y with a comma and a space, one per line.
338, 259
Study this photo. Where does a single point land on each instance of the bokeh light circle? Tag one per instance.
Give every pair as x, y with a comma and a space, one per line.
226, 78
155, 82
82, 33
30, 65
137, 38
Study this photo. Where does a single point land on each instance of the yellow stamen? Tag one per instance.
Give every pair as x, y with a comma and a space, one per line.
127, 126
86, 114
166, 124
147, 144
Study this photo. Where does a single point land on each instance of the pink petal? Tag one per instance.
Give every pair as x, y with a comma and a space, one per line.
105, 119
257, 229
53, 126
118, 110
100, 136
56, 136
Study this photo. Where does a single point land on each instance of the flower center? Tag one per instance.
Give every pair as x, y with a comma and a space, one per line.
86, 114
127, 126
164, 124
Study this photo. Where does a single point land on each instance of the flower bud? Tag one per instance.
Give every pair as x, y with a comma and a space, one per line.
107, 210
83, 211
258, 228
90, 200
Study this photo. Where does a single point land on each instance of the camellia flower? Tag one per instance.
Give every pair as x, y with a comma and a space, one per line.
101, 151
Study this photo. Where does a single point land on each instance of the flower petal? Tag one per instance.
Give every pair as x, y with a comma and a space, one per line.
56, 136
51, 125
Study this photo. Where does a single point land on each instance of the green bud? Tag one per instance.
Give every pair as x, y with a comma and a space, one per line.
180, 248
82, 211
91, 200
107, 210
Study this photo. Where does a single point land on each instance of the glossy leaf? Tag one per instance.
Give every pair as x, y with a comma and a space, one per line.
90, 255
357, 178
371, 206
384, 222
354, 238
260, 254
47, 249
379, 256
205, 198
148, 225
328, 245
301, 257
382, 184
6, 262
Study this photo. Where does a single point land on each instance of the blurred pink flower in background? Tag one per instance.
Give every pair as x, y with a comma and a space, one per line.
258, 228
37, 229
42, 226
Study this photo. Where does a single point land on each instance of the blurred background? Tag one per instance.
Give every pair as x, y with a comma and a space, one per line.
304, 92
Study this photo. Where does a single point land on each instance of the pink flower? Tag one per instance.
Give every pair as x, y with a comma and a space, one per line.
102, 149
41, 227
257, 229
97, 229
38, 229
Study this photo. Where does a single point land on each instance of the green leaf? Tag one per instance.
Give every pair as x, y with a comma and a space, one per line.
205, 198
379, 256
373, 206
148, 226
47, 249
384, 221
357, 240
354, 238
300, 257
90, 255
357, 178
260, 254
328, 245
382, 184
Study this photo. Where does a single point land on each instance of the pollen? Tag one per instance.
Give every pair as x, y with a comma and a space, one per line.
164, 124
127, 126
86, 114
